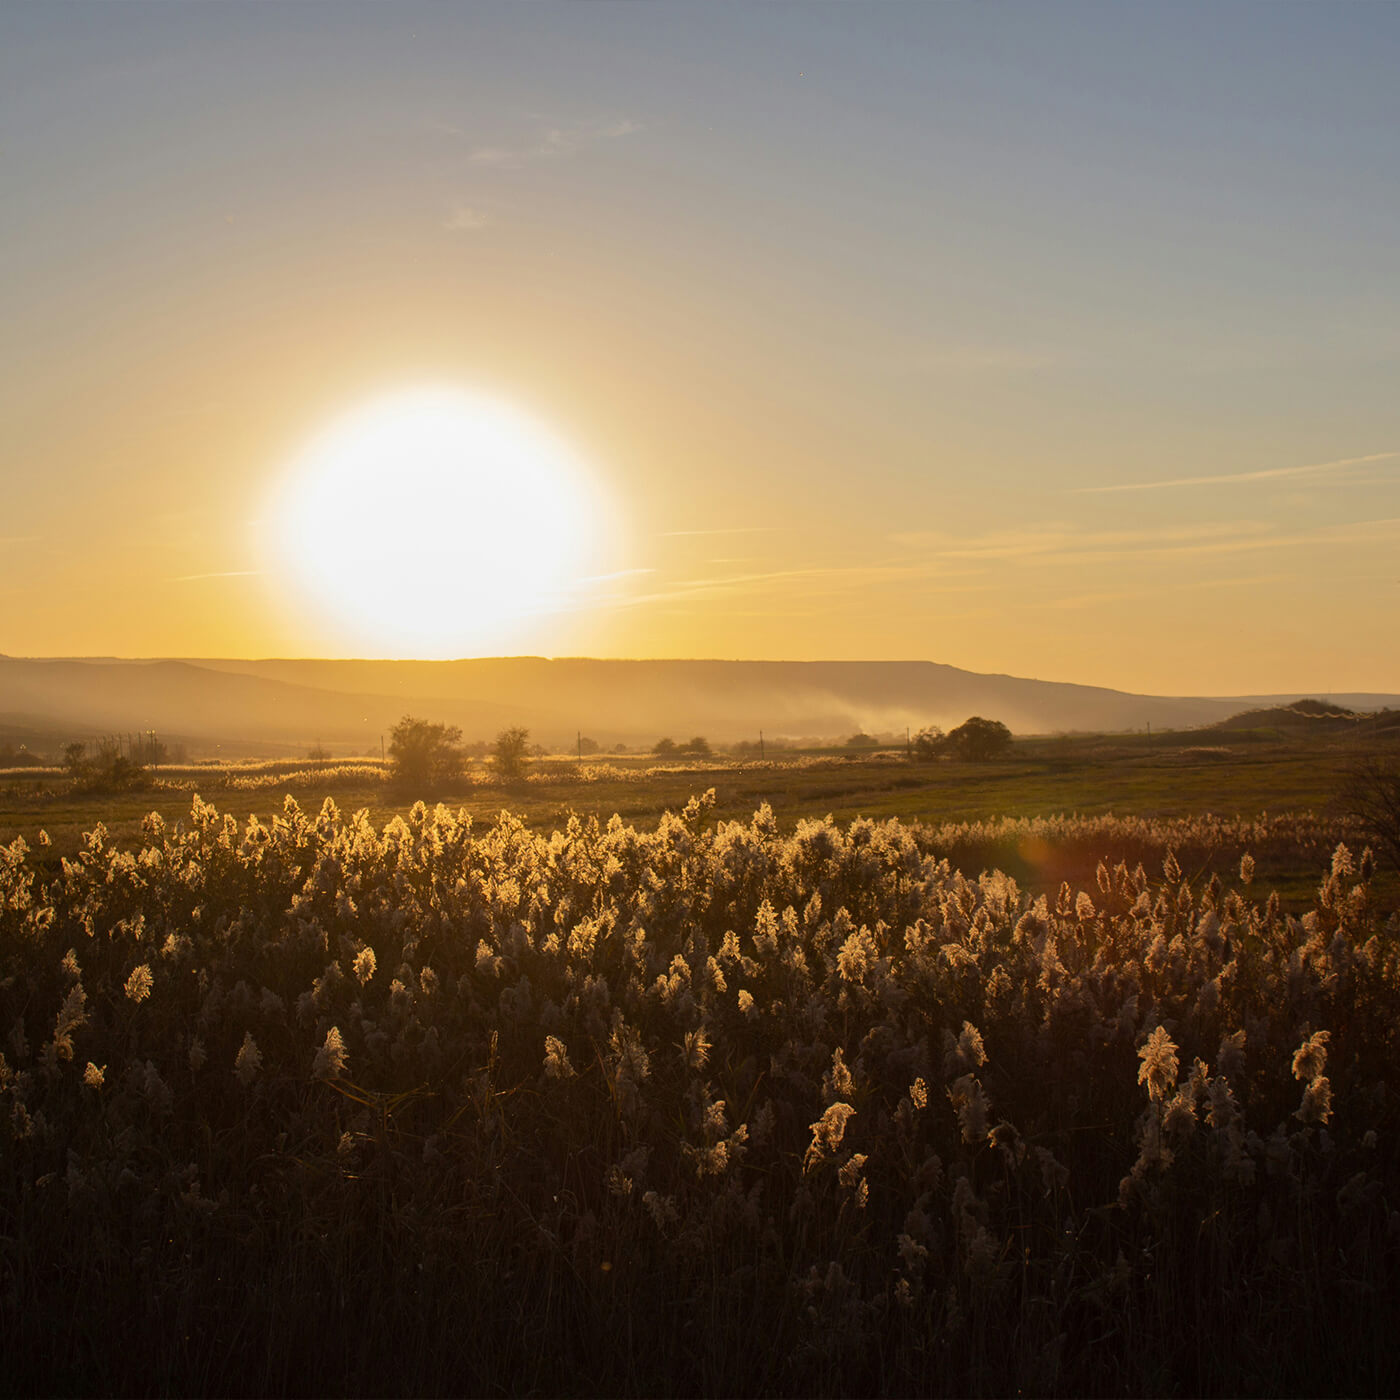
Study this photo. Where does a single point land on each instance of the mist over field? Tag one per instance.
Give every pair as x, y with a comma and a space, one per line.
290, 704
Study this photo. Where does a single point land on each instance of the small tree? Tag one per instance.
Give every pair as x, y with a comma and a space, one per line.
862, 741
930, 742
699, 746
511, 755
664, 748
979, 739
425, 755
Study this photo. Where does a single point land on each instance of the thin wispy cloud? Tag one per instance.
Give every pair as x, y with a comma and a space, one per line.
1065, 545
1270, 474
554, 143
821, 580
1059, 539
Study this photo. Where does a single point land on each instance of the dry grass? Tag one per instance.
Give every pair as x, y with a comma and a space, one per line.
314, 1106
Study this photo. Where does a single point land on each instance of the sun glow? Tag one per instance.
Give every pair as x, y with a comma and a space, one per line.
435, 522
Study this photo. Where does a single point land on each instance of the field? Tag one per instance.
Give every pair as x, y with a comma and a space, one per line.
946, 1093
1169, 776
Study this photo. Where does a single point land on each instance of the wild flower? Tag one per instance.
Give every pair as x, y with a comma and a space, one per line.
696, 1048
837, 1082
827, 1133
852, 1169
94, 1075
364, 965
331, 1057
1179, 1116
1310, 1058
966, 1053
1159, 1064
72, 1016
153, 1088
1316, 1106
912, 1254
139, 984
858, 955
971, 1106
662, 1210
248, 1062
918, 1094
1229, 1059
556, 1059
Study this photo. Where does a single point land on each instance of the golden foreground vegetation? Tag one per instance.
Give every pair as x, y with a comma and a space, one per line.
312, 1106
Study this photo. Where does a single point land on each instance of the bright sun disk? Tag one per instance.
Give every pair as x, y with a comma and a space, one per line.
433, 522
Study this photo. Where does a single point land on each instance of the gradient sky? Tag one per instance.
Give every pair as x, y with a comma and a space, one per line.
1055, 340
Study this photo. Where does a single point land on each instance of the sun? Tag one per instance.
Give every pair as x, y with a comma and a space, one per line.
434, 522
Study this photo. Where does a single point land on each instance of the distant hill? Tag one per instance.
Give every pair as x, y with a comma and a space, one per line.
285, 704
1309, 718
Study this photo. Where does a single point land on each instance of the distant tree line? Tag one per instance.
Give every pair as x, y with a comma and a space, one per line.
427, 757
698, 747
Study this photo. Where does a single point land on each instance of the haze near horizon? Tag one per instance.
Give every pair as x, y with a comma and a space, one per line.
1052, 342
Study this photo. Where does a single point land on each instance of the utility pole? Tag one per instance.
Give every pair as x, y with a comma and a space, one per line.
908, 749
760, 744
580, 745
383, 757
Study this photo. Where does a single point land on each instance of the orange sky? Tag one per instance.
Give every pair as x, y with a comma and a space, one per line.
1062, 346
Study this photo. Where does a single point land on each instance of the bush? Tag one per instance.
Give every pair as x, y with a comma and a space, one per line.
511, 756
425, 756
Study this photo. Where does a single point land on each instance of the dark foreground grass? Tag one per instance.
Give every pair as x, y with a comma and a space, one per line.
310, 1107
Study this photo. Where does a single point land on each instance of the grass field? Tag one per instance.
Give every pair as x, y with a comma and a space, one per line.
775, 1105
1165, 776
1162, 777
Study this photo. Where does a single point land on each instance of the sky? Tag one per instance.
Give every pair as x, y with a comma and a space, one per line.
1051, 340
